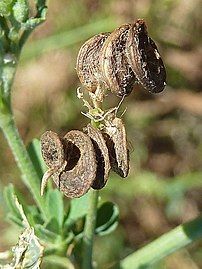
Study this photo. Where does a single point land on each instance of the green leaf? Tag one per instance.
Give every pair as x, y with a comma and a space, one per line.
58, 261
53, 226
15, 220
78, 209
107, 218
33, 215
21, 10
5, 7
45, 234
34, 150
9, 194
54, 204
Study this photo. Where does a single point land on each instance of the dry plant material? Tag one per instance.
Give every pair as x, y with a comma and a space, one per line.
81, 160
116, 72
116, 61
53, 154
88, 66
76, 166
115, 135
144, 58
102, 157
119, 60
52, 150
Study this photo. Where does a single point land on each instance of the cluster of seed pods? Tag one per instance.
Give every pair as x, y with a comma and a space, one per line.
120, 59
83, 159
115, 61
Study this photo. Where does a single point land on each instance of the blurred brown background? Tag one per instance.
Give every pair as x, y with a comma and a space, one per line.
164, 188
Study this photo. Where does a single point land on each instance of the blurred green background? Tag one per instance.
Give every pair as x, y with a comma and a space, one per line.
164, 187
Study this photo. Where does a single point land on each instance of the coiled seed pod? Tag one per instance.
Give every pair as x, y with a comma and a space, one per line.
71, 160
116, 72
52, 150
79, 161
119, 60
115, 136
144, 58
102, 157
88, 66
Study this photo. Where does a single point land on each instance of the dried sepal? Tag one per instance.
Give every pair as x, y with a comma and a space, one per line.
144, 58
88, 66
116, 72
115, 136
102, 157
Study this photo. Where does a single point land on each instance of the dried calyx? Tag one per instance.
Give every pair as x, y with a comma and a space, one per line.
119, 60
81, 160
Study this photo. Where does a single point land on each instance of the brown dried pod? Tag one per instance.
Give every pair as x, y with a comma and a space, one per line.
144, 58
102, 157
87, 65
115, 136
52, 150
114, 64
75, 169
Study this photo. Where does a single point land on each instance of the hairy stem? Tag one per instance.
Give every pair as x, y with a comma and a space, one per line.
10, 131
29, 175
164, 245
89, 230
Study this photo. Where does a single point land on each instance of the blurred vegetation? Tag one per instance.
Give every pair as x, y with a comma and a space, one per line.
164, 188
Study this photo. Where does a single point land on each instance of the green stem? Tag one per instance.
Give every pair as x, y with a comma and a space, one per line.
7, 124
164, 245
24, 37
89, 230
29, 175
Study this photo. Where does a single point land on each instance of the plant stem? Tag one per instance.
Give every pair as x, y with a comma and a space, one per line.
10, 131
24, 37
89, 230
164, 245
29, 175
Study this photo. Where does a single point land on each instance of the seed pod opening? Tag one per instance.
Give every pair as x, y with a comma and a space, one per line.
71, 160
87, 65
76, 181
115, 136
144, 58
102, 157
118, 75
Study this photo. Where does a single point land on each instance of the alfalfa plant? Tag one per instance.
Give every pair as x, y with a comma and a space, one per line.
75, 162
